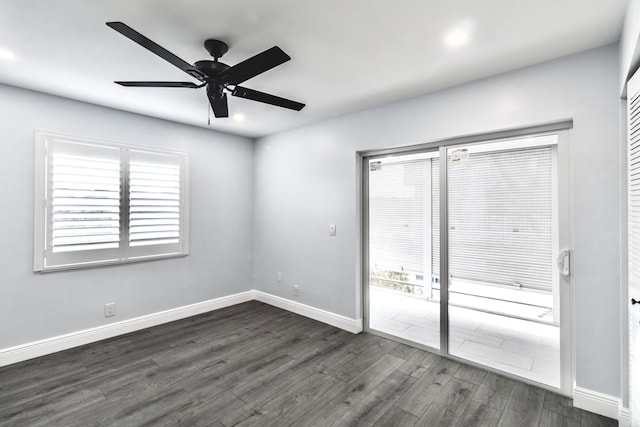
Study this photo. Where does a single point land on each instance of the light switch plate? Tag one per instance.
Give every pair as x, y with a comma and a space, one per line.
332, 229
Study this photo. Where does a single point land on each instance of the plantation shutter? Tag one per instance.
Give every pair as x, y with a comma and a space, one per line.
83, 209
396, 222
500, 216
100, 203
155, 199
633, 199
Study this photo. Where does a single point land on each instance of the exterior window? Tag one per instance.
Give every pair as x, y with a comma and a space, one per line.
101, 203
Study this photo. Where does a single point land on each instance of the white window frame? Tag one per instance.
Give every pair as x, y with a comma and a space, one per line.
44, 260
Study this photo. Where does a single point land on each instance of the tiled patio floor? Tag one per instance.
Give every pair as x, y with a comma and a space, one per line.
527, 349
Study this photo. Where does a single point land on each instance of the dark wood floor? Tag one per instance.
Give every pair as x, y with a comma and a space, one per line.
256, 365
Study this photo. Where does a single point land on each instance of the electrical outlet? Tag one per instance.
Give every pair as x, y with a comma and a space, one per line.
110, 309
279, 277
296, 291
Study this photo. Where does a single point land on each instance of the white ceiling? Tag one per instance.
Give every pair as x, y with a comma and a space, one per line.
347, 55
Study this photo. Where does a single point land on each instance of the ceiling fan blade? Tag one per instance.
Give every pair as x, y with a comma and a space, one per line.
160, 84
163, 53
255, 95
219, 105
253, 66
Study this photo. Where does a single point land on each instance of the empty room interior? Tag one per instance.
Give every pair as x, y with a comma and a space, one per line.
339, 213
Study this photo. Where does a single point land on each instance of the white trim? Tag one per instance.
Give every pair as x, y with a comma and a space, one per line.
624, 417
348, 324
46, 346
599, 403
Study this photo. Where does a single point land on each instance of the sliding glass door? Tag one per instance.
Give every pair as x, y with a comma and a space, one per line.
494, 294
503, 238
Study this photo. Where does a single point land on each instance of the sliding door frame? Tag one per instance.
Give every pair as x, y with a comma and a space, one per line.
567, 347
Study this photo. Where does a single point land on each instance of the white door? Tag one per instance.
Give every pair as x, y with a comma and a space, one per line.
633, 155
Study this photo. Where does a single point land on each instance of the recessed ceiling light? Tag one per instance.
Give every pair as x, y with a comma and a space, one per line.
460, 34
7, 55
238, 117
457, 38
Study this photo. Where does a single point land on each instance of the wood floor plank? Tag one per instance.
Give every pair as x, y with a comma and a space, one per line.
353, 366
286, 407
428, 387
36, 371
397, 417
553, 419
594, 420
471, 374
41, 412
478, 415
374, 405
154, 380
561, 405
524, 406
206, 411
448, 407
416, 363
494, 391
145, 409
261, 388
42, 386
288, 375
352, 392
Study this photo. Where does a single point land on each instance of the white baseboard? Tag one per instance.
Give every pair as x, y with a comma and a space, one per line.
599, 403
342, 322
624, 417
46, 346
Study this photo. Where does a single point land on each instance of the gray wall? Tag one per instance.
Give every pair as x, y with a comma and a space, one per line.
37, 306
308, 177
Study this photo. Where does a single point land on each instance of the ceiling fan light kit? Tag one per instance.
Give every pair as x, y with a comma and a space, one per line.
219, 78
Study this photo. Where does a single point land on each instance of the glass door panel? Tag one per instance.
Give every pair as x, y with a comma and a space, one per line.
403, 247
502, 240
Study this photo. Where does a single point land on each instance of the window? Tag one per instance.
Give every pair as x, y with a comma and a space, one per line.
101, 203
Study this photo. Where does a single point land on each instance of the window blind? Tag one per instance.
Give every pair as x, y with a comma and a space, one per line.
500, 214
396, 223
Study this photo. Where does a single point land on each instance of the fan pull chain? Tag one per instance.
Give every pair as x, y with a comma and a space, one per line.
208, 114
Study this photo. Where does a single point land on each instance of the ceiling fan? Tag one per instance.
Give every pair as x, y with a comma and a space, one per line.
218, 78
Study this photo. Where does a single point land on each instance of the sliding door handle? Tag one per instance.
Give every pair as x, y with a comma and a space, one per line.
563, 262
634, 301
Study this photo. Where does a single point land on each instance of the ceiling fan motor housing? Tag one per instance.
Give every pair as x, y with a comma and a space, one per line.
210, 68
